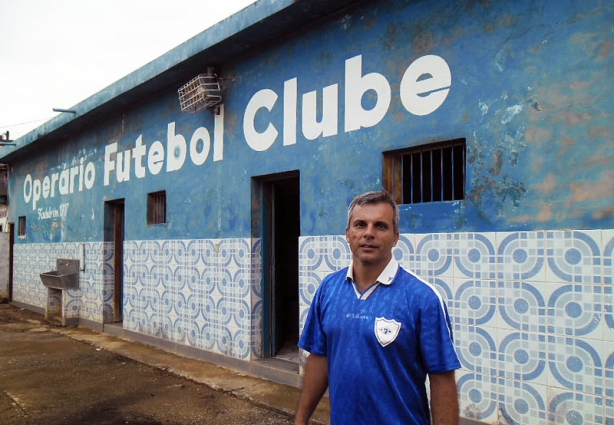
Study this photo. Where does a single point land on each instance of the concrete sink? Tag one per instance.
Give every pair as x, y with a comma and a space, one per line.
66, 276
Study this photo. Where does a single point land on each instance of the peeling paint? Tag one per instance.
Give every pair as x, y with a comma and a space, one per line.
529, 94
511, 112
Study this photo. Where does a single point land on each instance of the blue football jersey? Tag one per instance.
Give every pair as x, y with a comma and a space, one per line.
380, 346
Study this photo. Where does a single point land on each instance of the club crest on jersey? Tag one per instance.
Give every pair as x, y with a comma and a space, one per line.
386, 330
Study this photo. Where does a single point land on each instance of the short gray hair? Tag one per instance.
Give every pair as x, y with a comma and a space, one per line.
378, 197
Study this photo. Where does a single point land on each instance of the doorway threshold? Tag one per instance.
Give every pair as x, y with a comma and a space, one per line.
278, 363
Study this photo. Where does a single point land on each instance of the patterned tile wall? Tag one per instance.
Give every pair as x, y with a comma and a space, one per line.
201, 293
30, 260
532, 311
192, 292
532, 315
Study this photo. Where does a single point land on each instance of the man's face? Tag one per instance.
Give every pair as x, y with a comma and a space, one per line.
371, 233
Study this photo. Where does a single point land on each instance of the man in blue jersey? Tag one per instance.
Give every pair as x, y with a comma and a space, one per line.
375, 332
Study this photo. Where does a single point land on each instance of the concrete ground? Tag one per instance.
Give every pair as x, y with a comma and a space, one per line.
52, 375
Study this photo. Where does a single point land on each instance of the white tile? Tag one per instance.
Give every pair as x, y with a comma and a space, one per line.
475, 255
522, 307
478, 396
475, 302
435, 255
477, 348
524, 357
405, 251
575, 365
576, 310
522, 403
568, 407
521, 256
574, 256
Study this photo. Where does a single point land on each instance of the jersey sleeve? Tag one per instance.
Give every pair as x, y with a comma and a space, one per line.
436, 341
313, 338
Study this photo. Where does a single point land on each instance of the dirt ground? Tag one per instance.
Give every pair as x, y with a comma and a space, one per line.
50, 379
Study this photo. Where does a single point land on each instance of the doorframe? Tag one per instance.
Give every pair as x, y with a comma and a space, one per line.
114, 232
268, 266
263, 227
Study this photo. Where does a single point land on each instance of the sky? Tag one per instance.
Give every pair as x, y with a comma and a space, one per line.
57, 53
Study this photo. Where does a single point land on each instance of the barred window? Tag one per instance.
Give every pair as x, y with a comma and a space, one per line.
21, 229
428, 173
156, 207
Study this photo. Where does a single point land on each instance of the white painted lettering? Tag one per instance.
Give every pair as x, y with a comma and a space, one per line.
175, 148
423, 88
55, 177
327, 126
109, 164
46, 187
90, 175
81, 174
425, 85
218, 136
356, 85
64, 183
74, 172
68, 180
259, 141
155, 158
199, 156
36, 192
27, 189
290, 111
123, 166
138, 153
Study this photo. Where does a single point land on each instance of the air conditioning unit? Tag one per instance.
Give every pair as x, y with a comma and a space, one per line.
200, 93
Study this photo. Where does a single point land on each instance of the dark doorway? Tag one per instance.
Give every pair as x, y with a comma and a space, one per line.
114, 232
280, 212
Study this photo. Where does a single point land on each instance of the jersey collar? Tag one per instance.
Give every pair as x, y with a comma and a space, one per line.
386, 277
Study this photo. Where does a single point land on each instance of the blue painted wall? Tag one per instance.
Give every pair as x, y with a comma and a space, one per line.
531, 92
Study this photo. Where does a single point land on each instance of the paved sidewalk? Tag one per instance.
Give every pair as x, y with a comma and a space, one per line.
262, 392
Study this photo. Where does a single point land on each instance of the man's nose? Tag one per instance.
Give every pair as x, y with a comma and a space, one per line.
369, 231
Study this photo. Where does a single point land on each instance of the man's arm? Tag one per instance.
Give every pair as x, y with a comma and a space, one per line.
314, 387
444, 398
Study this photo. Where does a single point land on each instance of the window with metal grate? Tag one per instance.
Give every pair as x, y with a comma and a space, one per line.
427, 173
